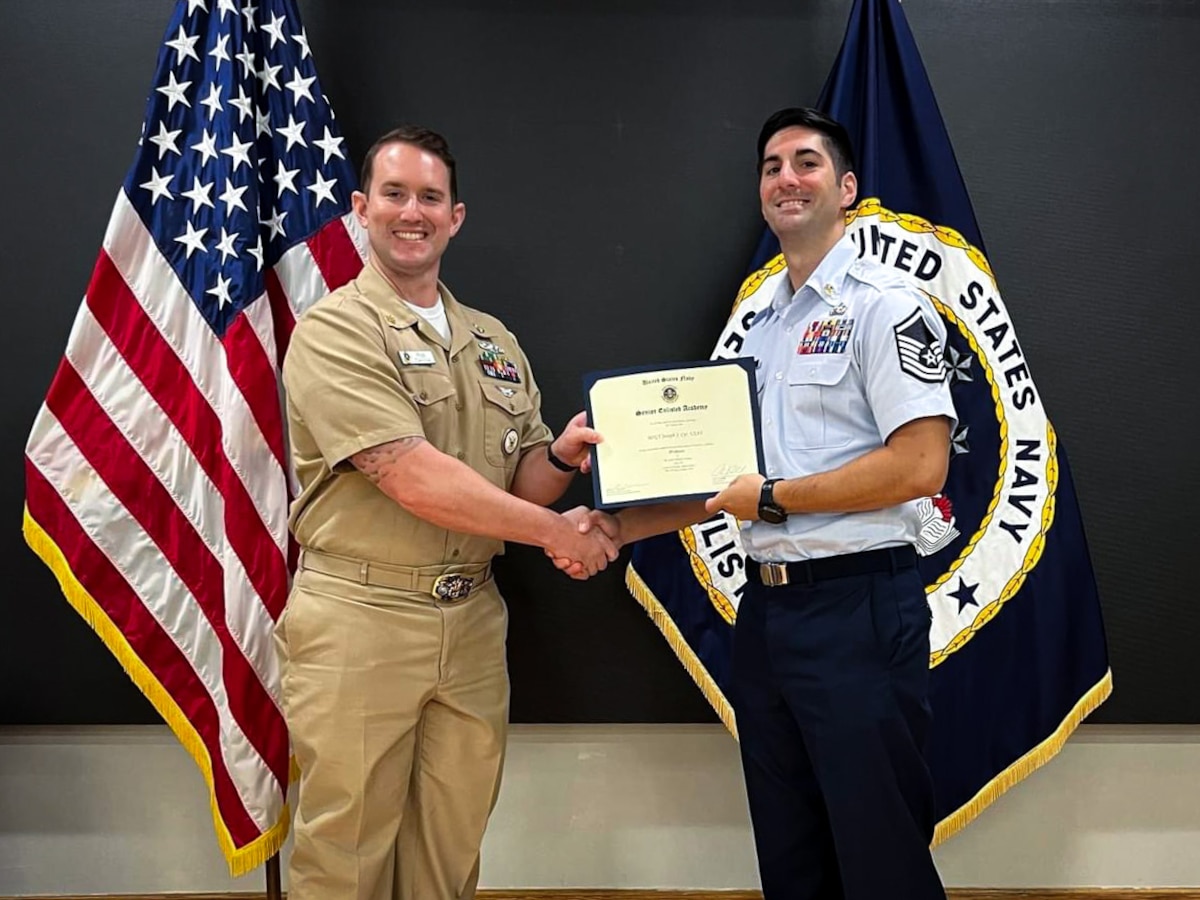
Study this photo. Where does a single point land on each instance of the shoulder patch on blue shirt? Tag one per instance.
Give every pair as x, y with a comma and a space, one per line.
918, 349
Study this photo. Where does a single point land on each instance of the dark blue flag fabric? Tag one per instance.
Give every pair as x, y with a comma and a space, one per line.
1018, 649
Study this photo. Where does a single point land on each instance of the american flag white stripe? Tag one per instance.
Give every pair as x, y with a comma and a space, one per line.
262, 323
135, 554
154, 283
358, 234
300, 279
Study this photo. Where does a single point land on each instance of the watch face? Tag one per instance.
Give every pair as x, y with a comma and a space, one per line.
772, 515
768, 510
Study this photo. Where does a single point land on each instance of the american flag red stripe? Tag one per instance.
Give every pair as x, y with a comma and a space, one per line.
157, 469
253, 372
281, 314
335, 253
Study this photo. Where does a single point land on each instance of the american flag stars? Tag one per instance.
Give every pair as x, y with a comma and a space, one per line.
240, 141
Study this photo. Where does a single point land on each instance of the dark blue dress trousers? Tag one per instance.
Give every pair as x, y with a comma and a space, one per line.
830, 683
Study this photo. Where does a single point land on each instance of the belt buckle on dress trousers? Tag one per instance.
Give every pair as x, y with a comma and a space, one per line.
452, 587
773, 574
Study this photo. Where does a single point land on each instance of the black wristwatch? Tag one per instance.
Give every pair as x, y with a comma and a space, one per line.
768, 510
558, 463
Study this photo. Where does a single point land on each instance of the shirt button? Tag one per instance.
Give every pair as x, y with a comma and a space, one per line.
424, 395
772, 471
778, 376
458, 405
461, 455
454, 552
766, 421
788, 329
812, 371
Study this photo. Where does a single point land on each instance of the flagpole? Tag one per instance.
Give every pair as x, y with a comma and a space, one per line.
274, 891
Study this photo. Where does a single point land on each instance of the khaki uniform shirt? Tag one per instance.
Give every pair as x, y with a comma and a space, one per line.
362, 370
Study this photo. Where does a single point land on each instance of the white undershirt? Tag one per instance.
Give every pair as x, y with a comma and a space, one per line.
435, 315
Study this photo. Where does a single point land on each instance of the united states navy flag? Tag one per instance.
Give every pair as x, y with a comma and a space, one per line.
1018, 650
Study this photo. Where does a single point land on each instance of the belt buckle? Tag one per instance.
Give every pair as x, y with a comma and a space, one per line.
452, 587
773, 574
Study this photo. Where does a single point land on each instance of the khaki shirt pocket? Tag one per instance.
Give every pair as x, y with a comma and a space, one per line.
431, 391
506, 412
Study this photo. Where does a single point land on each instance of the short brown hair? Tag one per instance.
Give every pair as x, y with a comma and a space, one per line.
425, 138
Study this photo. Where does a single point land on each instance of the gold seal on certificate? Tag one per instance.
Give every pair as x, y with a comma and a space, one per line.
675, 433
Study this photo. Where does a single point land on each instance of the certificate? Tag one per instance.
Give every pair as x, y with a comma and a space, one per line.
676, 433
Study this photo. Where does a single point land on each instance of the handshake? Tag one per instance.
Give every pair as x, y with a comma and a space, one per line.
584, 541
587, 541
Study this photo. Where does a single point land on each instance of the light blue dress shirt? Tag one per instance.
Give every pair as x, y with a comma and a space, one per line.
842, 363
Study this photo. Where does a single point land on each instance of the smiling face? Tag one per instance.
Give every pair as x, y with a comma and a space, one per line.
799, 188
408, 211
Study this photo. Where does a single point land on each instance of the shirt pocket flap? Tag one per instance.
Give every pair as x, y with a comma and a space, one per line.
512, 401
429, 388
825, 371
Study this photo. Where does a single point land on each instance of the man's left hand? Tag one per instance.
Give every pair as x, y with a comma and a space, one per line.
739, 499
574, 445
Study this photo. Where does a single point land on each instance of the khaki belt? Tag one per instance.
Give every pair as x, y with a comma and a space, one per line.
444, 583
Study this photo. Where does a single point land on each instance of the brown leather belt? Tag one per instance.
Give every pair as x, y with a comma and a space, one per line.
444, 583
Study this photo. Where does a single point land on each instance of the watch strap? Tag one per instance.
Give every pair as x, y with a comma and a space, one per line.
558, 463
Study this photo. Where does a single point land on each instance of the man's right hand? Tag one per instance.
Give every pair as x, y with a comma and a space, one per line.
580, 548
593, 522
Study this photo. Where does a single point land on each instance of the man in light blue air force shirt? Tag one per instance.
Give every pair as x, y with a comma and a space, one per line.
831, 646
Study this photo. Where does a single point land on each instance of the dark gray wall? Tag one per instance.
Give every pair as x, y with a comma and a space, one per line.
606, 158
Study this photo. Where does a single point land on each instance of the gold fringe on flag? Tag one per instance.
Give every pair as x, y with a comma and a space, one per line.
687, 656
1027, 764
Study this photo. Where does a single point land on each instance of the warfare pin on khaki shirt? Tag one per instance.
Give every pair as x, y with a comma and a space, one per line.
362, 370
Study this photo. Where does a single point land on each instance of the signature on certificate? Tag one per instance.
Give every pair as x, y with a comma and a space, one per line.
728, 471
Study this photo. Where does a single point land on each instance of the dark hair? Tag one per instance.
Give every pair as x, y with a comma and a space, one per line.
425, 138
837, 141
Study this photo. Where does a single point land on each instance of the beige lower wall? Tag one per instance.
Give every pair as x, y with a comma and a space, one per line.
123, 811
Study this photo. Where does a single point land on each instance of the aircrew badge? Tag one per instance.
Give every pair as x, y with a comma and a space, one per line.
496, 363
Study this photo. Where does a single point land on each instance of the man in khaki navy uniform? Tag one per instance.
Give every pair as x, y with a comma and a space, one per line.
419, 447
830, 673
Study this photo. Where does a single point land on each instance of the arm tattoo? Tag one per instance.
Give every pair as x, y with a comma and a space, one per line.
374, 462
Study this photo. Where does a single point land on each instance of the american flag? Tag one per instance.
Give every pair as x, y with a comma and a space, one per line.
157, 479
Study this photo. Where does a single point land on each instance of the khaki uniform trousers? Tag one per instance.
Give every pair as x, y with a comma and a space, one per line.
398, 708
